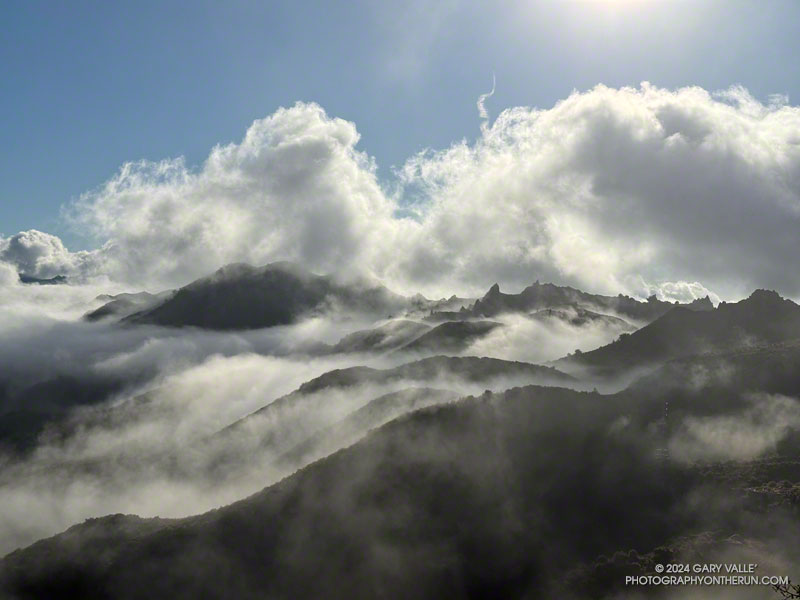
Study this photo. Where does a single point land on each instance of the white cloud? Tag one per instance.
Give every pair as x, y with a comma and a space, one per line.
42, 255
682, 291
294, 188
613, 186
539, 341
8, 275
640, 190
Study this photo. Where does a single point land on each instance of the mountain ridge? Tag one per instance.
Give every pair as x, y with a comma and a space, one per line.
762, 317
540, 296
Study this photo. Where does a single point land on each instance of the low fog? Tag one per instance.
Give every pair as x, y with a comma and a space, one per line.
541, 341
152, 445
172, 422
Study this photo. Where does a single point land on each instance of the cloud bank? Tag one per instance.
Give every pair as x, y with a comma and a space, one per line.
641, 190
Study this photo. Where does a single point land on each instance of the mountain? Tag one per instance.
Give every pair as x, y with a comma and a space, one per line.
326, 399
240, 296
424, 307
547, 295
770, 368
763, 318
497, 496
380, 339
451, 337
464, 368
120, 306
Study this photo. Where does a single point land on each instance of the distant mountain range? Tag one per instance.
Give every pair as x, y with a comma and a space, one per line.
241, 296
549, 296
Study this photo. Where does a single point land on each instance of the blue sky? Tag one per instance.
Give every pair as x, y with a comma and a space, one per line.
87, 86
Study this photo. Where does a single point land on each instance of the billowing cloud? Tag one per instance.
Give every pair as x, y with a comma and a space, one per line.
42, 255
618, 190
295, 188
639, 190
682, 291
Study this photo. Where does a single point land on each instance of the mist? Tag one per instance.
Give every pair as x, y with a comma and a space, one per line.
152, 446
526, 339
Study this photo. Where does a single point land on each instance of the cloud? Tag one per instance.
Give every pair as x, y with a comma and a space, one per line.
8, 275
294, 188
638, 190
482, 112
682, 291
744, 436
42, 255
611, 188
143, 453
539, 341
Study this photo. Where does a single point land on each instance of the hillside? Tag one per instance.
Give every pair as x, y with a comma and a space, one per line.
240, 296
452, 337
322, 401
501, 495
120, 306
762, 318
386, 337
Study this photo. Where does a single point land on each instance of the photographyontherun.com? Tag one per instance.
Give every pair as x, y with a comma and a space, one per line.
706, 574
706, 580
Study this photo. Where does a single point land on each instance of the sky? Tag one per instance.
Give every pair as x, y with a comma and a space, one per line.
88, 87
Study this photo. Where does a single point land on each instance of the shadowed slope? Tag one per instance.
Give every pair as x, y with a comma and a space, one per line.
452, 337
495, 496
240, 296
764, 317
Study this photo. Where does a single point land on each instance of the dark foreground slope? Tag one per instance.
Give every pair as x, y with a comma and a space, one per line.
511, 495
